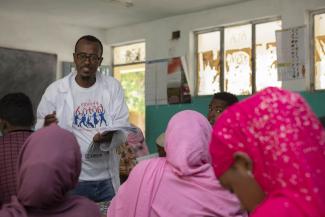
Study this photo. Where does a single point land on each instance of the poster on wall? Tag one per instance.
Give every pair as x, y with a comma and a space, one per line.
156, 82
290, 45
177, 87
166, 82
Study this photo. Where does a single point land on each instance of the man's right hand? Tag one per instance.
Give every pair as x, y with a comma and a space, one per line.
50, 118
103, 137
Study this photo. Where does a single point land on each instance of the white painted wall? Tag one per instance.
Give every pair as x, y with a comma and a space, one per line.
45, 36
41, 35
157, 33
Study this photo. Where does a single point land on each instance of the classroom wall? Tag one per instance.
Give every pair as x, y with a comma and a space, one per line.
157, 36
157, 33
44, 36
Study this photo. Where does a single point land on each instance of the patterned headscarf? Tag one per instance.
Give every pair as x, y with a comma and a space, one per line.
137, 141
285, 141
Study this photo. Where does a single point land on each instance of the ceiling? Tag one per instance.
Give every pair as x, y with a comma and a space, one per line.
105, 13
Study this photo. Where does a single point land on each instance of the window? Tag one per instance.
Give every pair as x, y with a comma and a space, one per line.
266, 61
209, 62
237, 59
238, 53
319, 50
129, 69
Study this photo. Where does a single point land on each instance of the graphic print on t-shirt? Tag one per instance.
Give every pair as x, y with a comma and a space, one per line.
89, 115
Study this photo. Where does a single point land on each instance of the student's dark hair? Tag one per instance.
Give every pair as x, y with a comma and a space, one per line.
322, 120
92, 39
229, 98
17, 109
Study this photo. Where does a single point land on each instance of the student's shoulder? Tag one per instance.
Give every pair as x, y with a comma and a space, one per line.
86, 208
149, 164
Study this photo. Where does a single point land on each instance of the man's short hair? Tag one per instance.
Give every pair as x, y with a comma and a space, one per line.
17, 109
322, 120
229, 98
92, 39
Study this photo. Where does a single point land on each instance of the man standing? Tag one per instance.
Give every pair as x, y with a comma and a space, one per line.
16, 122
78, 102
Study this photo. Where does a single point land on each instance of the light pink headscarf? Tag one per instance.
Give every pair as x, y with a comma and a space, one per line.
48, 168
286, 143
183, 183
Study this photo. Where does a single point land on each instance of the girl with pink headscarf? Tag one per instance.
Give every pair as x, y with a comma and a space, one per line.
270, 151
48, 168
181, 184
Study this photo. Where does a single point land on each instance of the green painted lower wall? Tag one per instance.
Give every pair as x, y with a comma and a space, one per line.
157, 116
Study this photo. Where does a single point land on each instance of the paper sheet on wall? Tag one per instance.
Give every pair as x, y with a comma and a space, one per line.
177, 83
290, 45
156, 82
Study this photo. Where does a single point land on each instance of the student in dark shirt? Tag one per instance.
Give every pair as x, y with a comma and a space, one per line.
16, 122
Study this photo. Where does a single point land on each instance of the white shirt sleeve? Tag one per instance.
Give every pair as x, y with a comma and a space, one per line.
44, 108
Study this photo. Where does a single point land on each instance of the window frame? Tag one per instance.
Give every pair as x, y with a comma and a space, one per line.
125, 64
312, 15
222, 45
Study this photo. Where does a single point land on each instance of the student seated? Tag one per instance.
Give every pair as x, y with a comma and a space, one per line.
128, 161
16, 122
180, 184
137, 142
219, 102
134, 147
49, 165
269, 150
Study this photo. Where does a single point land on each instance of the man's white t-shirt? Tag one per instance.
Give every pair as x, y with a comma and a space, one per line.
89, 118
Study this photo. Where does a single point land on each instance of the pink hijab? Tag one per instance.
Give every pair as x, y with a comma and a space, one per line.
48, 168
285, 140
183, 183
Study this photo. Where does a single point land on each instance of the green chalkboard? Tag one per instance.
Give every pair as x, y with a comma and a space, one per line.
26, 71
